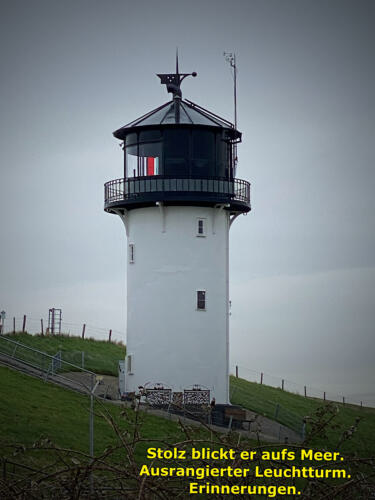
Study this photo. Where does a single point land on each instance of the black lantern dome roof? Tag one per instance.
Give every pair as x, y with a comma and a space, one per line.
179, 112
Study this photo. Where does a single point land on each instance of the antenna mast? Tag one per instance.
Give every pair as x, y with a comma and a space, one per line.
231, 58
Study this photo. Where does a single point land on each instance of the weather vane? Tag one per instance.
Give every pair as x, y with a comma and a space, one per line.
173, 80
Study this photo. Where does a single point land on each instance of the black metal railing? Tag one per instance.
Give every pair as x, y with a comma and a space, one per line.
131, 189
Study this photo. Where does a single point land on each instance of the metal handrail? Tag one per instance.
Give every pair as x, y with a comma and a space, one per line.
19, 344
127, 189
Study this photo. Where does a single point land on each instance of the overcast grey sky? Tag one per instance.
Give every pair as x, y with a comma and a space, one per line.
302, 262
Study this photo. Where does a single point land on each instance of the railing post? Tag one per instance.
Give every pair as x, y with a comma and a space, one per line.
47, 372
14, 350
277, 410
91, 426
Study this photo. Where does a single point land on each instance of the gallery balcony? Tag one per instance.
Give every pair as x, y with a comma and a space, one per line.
136, 192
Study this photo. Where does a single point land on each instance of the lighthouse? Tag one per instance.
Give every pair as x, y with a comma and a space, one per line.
177, 199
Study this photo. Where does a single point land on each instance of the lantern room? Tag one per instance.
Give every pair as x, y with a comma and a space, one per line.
178, 153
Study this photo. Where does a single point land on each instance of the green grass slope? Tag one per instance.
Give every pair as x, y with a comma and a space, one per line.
99, 356
291, 407
31, 409
285, 407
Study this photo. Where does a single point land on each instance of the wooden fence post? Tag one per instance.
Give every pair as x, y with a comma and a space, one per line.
110, 336
24, 323
305, 391
282, 384
324, 395
236, 371
343, 400
14, 324
261, 378
83, 330
41, 326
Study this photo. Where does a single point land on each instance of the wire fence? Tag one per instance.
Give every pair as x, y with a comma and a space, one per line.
84, 330
270, 409
298, 388
40, 325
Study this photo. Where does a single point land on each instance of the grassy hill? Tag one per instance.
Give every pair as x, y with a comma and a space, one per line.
99, 356
32, 411
282, 406
31, 408
289, 409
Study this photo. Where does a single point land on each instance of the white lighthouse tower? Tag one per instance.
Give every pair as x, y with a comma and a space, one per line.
178, 198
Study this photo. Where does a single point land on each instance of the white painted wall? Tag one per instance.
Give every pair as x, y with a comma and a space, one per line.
171, 342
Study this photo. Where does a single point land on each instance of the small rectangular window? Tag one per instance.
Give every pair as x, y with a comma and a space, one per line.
201, 227
131, 253
129, 367
201, 300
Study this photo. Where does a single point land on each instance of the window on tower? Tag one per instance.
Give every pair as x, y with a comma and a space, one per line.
201, 300
201, 227
131, 253
129, 367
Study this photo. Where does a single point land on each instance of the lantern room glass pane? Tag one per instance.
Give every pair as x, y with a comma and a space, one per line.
131, 139
203, 153
143, 159
149, 135
176, 152
132, 161
150, 157
221, 156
